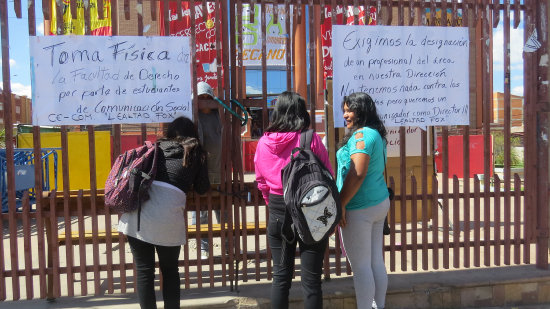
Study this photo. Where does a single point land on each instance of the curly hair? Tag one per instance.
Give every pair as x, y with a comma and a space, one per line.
364, 109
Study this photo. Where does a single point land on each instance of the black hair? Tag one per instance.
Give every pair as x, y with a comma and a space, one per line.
290, 114
181, 127
364, 109
184, 131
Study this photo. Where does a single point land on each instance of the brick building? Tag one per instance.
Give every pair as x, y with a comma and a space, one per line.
21, 112
516, 106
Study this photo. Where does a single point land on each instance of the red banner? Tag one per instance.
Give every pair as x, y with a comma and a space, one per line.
326, 29
205, 36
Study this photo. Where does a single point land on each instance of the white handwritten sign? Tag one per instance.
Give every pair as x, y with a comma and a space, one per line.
417, 76
412, 146
83, 80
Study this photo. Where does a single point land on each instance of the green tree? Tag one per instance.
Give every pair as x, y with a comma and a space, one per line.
498, 150
3, 138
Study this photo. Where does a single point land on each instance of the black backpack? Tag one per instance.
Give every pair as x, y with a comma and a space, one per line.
310, 194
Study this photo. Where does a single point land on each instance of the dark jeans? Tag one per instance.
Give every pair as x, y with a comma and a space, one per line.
311, 261
144, 259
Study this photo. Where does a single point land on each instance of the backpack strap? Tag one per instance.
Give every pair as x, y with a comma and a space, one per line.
153, 169
150, 173
305, 139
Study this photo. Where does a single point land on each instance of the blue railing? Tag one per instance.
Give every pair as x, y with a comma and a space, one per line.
24, 173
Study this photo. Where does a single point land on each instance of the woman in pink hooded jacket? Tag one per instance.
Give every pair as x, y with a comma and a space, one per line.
289, 119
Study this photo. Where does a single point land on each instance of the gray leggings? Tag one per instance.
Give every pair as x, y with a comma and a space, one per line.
363, 241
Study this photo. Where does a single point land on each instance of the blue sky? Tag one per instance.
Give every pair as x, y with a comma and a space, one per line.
20, 73
19, 47
516, 58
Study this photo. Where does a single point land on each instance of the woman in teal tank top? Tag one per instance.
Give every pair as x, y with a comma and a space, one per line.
364, 196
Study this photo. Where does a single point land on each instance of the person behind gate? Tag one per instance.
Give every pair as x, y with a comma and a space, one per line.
289, 119
210, 135
181, 167
364, 197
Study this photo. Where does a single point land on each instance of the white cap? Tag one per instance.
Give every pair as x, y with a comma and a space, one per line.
204, 88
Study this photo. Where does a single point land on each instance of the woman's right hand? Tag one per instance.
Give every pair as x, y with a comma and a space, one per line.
343, 219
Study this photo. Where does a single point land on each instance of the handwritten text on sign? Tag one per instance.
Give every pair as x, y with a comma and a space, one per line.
417, 76
84, 80
413, 146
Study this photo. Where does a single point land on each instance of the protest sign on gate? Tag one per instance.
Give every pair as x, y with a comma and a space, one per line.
90, 80
417, 76
413, 145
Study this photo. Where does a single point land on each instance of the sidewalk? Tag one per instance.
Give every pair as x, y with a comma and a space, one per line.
522, 287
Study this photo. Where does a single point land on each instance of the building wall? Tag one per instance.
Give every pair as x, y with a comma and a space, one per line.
516, 106
130, 26
21, 111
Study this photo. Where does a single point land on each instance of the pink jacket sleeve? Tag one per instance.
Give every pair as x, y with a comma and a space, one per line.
262, 185
321, 152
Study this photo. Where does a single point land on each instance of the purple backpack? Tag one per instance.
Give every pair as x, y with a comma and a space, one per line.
130, 178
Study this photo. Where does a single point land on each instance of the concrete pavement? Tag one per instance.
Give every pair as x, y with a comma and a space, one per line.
524, 287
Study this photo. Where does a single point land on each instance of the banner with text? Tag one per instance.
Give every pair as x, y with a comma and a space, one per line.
89, 80
417, 76
276, 34
205, 35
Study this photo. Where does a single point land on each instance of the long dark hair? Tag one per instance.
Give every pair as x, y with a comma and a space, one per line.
290, 114
184, 131
364, 109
